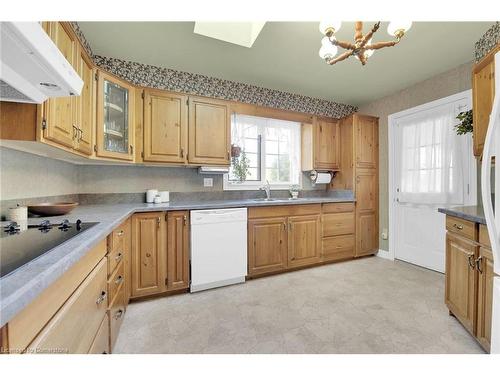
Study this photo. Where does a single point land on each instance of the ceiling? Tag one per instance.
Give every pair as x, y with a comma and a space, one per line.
285, 55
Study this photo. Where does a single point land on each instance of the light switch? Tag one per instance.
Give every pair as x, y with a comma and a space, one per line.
208, 182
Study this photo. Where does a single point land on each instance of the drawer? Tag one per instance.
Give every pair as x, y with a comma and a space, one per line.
462, 227
279, 211
115, 257
73, 328
101, 340
116, 280
337, 207
484, 237
116, 313
338, 224
338, 247
116, 238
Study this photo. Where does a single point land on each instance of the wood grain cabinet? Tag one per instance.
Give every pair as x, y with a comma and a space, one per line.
165, 127
267, 245
338, 231
321, 145
304, 240
209, 132
178, 250
483, 93
115, 117
484, 266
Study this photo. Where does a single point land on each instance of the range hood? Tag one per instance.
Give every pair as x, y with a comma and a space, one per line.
32, 68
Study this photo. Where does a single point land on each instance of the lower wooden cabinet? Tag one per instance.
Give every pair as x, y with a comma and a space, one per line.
116, 313
304, 240
267, 245
484, 265
160, 252
101, 339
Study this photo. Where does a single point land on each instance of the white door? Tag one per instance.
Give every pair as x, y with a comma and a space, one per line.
433, 167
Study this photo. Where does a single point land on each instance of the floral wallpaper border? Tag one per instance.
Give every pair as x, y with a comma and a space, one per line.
197, 84
487, 41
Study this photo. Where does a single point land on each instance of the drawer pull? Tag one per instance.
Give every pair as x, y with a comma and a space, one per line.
478, 264
120, 233
119, 280
458, 226
118, 257
470, 259
118, 314
101, 298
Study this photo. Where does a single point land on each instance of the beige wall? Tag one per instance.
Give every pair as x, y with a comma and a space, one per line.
440, 86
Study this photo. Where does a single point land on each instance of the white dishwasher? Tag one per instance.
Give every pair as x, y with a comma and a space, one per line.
218, 248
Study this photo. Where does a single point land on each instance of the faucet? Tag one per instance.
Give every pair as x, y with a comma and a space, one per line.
267, 189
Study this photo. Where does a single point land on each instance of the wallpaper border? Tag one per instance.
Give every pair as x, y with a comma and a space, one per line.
487, 42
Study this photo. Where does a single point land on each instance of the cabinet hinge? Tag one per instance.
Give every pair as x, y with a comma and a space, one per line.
44, 124
142, 154
187, 101
96, 76
158, 221
142, 95
95, 148
166, 281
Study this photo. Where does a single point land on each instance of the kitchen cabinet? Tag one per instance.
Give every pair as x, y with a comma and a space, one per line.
483, 93
267, 245
321, 145
148, 253
338, 228
366, 142
101, 340
304, 240
178, 250
484, 266
209, 132
165, 127
85, 105
115, 117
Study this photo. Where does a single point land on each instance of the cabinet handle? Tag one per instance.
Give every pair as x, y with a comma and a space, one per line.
470, 260
185, 219
80, 132
458, 226
478, 264
75, 132
182, 153
131, 149
119, 280
120, 233
118, 257
158, 221
101, 298
118, 314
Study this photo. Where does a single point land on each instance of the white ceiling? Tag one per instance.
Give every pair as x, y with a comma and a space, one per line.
285, 55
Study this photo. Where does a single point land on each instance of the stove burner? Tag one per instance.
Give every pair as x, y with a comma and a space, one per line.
64, 226
45, 226
12, 228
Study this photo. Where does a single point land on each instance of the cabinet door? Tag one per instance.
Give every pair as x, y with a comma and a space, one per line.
165, 127
115, 118
366, 212
178, 250
460, 288
127, 250
484, 266
366, 142
267, 245
366, 233
209, 132
327, 150
483, 92
303, 240
85, 106
59, 112
149, 253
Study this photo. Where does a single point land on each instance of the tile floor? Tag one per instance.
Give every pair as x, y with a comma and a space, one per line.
369, 305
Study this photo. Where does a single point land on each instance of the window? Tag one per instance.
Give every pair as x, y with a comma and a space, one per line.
271, 149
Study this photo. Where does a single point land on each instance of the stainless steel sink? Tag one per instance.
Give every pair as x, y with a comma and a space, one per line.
268, 199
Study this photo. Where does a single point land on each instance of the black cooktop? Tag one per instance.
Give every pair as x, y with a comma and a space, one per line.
18, 247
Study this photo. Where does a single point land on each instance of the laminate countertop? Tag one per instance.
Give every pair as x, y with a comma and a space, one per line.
470, 213
23, 285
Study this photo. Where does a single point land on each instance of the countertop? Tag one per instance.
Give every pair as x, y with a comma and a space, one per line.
470, 213
22, 286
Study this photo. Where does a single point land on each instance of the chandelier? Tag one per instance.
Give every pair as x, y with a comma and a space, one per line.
362, 48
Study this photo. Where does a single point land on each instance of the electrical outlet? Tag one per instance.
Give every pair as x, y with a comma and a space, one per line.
385, 235
208, 182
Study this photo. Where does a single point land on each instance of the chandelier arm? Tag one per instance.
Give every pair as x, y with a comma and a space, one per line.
341, 57
345, 45
362, 58
369, 35
380, 45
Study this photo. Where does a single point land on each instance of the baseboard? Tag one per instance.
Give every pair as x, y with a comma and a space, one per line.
385, 254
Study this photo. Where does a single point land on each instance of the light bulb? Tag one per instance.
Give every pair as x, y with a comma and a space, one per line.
398, 28
327, 26
327, 52
369, 52
325, 42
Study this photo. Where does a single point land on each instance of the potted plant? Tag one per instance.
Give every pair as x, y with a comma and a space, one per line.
235, 151
465, 125
240, 165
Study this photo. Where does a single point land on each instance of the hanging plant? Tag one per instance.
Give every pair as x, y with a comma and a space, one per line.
241, 164
465, 124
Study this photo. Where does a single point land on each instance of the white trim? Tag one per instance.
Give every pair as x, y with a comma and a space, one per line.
391, 120
385, 254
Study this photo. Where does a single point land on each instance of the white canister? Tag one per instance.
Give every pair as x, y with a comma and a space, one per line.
157, 199
164, 196
150, 195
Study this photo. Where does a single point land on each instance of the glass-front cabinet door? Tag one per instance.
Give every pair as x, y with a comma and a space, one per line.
115, 118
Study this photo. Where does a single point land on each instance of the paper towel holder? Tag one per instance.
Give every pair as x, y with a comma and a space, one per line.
313, 175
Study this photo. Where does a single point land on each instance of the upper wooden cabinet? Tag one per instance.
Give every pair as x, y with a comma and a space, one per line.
209, 132
321, 145
115, 117
483, 93
165, 127
85, 105
366, 141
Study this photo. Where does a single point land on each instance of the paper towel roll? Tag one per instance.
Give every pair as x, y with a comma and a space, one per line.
321, 177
